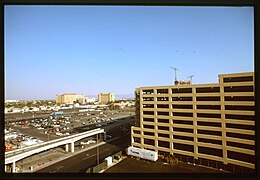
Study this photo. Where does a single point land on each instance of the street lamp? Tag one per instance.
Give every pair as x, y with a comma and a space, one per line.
97, 151
48, 136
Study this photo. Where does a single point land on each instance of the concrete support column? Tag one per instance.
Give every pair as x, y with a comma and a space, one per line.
67, 147
72, 147
5, 167
13, 167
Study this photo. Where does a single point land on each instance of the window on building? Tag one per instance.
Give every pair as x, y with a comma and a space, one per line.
182, 130
148, 119
136, 132
181, 90
162, 113
163, 106
148, 133
207, 90
182, 114
182, 99
163, 120
210, 151
239, 98
162, 91
163, 135
137, 140
148, 126
165, 128
213, 107
162, 99
148, 106
210, 141
238, 89
148, 91
241, 157
238, 79
182, 122
183, 147
148, 112
208, 98
149, 141
187, 138
184, 106
213, 124
208, 132
164, 144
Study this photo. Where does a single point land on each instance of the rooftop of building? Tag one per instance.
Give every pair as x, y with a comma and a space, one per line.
230, 75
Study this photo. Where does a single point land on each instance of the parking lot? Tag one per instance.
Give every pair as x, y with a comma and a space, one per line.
64, 124
53, 126
116, 127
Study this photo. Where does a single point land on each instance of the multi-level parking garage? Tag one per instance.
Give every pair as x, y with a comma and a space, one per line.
209, 124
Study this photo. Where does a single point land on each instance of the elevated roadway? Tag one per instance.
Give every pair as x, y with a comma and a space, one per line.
16, 155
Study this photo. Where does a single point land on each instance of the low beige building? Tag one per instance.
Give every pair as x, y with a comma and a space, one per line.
68, 98
208, 124
106, 98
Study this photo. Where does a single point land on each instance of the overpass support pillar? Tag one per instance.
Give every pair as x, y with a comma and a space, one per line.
13, 167
67, 147
72, 147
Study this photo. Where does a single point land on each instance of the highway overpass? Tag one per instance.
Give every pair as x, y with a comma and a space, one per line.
16, 155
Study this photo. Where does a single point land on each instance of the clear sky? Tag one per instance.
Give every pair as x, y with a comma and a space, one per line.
52, 50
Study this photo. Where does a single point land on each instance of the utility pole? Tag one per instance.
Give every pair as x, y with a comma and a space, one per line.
191, 78
97, 151
175, 69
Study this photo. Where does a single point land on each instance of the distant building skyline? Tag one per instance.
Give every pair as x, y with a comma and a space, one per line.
68, 98
50, 50
104, 98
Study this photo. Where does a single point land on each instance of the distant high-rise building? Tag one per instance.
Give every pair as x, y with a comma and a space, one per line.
105, 98
68, 98
208, 124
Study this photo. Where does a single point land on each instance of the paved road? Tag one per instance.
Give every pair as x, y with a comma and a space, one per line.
81, 162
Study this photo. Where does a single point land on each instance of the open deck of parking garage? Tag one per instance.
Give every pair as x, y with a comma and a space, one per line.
129, 165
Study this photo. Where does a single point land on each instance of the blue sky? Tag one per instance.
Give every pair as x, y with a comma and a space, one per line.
51, 50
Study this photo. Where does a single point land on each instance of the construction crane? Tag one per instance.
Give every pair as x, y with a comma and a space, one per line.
175, 69
191, 78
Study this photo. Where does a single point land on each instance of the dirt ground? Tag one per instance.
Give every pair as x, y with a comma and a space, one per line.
130, 165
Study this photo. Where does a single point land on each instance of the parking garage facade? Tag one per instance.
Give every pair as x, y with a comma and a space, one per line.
207, 124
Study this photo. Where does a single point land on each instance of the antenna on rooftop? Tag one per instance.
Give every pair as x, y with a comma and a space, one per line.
191, 78
175, 69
